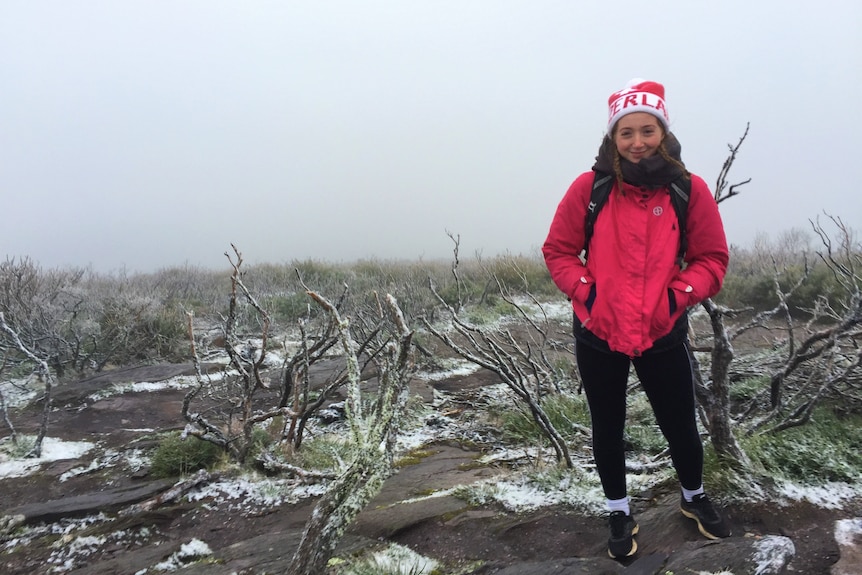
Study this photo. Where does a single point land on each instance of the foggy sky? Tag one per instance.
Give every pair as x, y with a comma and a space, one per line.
139, 135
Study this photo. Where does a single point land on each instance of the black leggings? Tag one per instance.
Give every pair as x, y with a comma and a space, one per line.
666, 377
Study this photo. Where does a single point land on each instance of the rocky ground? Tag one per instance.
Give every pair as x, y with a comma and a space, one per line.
259, 538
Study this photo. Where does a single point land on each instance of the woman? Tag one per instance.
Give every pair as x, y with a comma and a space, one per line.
631, 293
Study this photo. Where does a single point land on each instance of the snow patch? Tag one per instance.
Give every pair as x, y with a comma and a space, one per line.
134, 459
847, 531
829, 496
189, 552
436, 428
20, 392
52, 450
522, 493
560, 310
454, 368
772, 554
578, 488
108, 458
71, 551
175, 383
255, 492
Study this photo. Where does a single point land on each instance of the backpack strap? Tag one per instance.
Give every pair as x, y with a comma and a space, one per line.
680, 193
602, 184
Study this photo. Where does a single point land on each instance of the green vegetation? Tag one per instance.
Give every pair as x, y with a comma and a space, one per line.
747, 389
642, 433
261, 440
490, 311
21, 370
751, 276
176, 456
825, 450
289, 308
568, 413
519, 274
19, 448
322, 453
570, 416
482, 493
414, 457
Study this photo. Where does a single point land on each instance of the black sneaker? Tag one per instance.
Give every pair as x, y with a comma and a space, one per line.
709, 522
623, 529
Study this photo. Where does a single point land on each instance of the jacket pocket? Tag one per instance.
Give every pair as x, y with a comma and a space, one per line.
583, 290
662, 318
591, 298
582, 293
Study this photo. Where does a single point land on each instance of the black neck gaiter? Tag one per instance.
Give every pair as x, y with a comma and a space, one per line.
651, 172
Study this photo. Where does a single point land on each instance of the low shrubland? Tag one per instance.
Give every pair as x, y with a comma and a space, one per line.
81, 321
793, 397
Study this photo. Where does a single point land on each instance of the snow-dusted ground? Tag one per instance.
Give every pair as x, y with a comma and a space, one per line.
524, 488
521, 491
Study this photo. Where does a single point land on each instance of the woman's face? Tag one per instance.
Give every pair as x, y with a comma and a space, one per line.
638, 136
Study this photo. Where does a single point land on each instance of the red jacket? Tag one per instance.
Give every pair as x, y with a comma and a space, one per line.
632, 260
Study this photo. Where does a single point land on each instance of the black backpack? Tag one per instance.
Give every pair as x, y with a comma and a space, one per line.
680, 191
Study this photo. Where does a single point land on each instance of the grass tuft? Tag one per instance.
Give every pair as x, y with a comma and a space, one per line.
177, 456
825, 450
568, 413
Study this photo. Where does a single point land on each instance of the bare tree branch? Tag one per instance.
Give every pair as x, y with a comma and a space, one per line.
721, 183
46, 376
523, 369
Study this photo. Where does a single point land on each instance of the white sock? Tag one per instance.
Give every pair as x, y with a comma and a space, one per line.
619, 505
688, 494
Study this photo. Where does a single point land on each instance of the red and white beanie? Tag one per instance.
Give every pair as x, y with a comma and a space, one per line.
638, 96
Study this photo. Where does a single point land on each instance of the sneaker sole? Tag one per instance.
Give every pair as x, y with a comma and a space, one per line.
700, 526
634, 548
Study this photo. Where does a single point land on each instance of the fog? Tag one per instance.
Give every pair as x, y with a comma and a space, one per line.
139, 135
